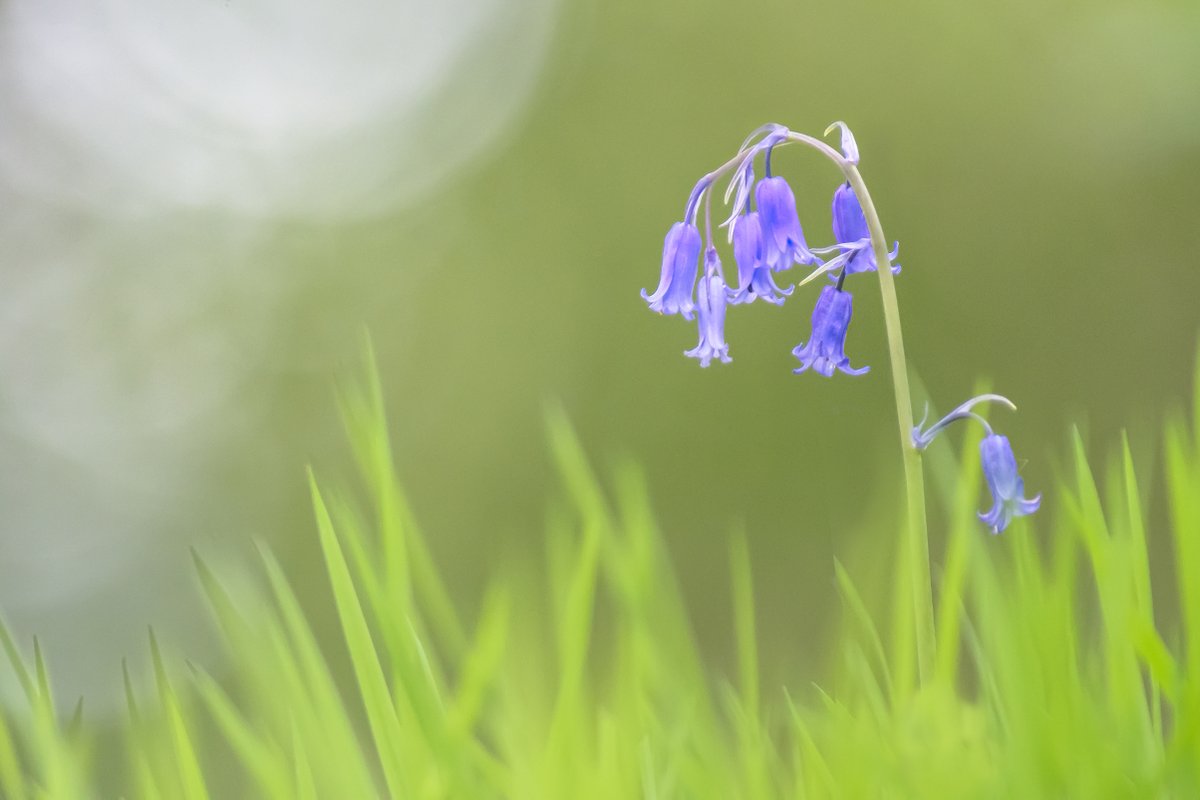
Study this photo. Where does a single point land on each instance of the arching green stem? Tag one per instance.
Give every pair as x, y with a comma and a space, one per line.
916, 530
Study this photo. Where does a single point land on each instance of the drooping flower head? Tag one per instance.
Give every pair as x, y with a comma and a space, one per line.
783, 239
1007, 487
826, 350
853, 236
999, 465
681, 250
754, 276
711, 307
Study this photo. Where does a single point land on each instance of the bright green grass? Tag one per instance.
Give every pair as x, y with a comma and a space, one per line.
1056, 676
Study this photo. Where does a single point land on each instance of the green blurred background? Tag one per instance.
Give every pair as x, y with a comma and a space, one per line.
1037, 161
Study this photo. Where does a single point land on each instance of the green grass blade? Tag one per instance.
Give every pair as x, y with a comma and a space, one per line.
12, 778
865, 624
190, 774
482, 662
302, 669
17, 662
744, 627
376, 696
261, 759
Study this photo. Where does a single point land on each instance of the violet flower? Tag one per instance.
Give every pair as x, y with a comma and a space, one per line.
825, 351
999, 465
851, 232
681, 249
1007, 487
711, 307
783, 239
754, 276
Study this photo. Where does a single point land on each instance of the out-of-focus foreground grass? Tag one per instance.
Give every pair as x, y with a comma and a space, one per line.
580, 678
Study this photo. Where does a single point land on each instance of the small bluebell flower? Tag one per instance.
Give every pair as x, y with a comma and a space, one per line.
711, 307
754, 276
681, 249
999, 465
826, 350
851, 232
1000, 470
783, 239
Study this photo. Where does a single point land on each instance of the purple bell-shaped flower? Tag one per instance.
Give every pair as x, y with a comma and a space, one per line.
851, 232
826, 350
783, 239
711, 307
1000, 471
681, 249
754, 276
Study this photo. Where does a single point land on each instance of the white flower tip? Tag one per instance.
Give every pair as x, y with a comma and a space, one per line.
1001, 399
818, 272
849, 146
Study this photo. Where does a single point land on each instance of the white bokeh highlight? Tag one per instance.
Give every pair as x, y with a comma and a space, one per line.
142, 146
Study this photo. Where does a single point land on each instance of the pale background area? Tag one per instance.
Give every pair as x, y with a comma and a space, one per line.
150, 154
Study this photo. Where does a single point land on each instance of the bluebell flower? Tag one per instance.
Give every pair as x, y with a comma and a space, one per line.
754, 276
711, 306
851, 232
999, 465
1000, 470
826, 350
783, 239
681, 249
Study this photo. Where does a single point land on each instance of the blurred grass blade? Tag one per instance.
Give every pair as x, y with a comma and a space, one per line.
376, 697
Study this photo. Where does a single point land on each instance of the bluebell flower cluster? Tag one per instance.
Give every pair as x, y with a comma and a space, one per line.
767, 239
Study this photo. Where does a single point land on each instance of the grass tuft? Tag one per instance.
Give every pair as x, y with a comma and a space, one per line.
1066, 665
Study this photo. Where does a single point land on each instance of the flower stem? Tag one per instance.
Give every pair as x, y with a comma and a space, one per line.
917, 532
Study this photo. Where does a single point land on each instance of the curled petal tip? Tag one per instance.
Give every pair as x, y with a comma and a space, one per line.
849, 146
924, 416
816, 274
992, 398
827, 268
